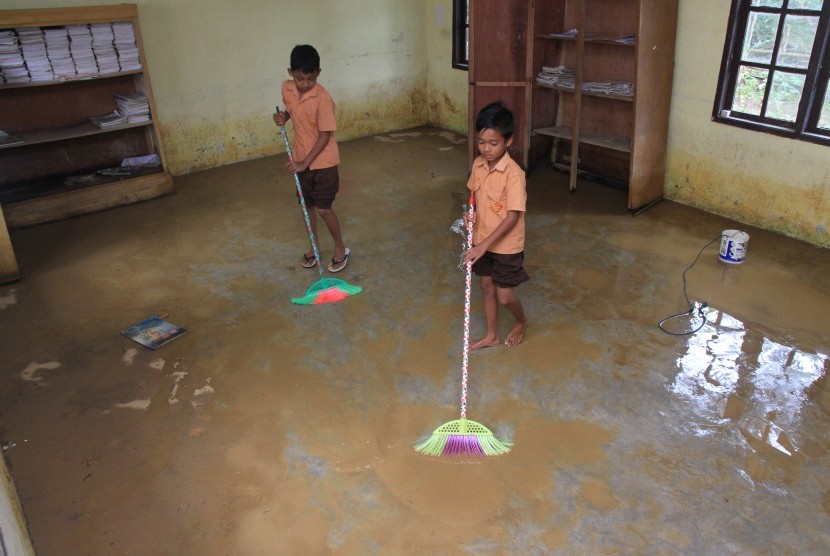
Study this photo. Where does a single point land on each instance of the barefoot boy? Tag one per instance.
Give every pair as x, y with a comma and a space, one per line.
499, 224
315, 151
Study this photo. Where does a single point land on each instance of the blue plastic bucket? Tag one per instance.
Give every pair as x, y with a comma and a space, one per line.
733, 246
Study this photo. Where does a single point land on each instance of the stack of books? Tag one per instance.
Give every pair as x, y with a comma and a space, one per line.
103, 46
131, 108
70, 52
560, 76
57, 49
125, 46
33, 46
113, 119
12, 67
134, 106
80, 47
620, 88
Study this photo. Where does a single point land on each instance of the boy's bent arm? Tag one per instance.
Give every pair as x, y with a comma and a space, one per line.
478, 250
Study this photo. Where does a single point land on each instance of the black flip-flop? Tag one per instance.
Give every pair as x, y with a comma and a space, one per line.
344, 261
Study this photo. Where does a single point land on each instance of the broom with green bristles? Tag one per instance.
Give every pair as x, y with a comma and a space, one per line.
324, 290
464, 437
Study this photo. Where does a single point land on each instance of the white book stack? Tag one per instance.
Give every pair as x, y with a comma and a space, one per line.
103, 45
125, 46
135, 106
57, 48
12, 66
559, 76
618, 88
80, 47
113, 119
33, 46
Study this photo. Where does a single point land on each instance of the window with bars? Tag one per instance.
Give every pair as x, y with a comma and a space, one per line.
461, 34
775, 68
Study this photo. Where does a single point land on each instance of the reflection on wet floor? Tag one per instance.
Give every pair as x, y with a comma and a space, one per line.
731, 375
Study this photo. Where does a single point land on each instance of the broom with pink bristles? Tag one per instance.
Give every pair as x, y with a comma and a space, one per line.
463, 437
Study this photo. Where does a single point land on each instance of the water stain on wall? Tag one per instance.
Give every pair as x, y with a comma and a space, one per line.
763, 200
385, 106
209, 144
446, 112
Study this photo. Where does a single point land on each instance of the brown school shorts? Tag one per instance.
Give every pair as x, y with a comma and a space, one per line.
320, 186
505, 270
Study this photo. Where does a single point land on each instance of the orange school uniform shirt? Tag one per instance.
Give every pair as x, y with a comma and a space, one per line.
311, 114
496, 192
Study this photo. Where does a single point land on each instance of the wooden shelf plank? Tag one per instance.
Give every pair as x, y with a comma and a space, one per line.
621, 144
610, 42
46, 17
596, 40
63, 205
556, 38
554, 87
73, 132
5, 86
621, 98
558, 131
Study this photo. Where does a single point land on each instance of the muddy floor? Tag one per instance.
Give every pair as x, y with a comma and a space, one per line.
273, 428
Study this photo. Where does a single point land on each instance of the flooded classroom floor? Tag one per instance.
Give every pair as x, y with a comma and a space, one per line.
271, 428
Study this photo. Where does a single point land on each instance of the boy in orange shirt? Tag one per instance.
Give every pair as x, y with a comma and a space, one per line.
315, 151
498, 184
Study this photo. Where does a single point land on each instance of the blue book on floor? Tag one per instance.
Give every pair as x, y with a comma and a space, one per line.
153, 332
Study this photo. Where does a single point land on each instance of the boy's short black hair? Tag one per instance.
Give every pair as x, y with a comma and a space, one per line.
496, 116
305, 58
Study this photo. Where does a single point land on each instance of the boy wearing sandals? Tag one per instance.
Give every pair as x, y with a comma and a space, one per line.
315, 152
498, 184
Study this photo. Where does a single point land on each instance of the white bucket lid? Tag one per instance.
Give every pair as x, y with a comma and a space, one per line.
736, 235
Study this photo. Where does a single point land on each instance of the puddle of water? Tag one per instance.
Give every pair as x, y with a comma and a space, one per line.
735, 377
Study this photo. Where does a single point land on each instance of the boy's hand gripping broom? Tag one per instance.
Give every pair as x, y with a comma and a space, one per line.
464, 437
324, 290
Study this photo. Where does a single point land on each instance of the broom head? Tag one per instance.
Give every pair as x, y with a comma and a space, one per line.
463, 437
327, 290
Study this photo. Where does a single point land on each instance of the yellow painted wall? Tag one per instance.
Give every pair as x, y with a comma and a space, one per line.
756, 178
446, 86
217, 67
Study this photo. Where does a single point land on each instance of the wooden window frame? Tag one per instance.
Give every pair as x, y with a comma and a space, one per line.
461, 34
805, 127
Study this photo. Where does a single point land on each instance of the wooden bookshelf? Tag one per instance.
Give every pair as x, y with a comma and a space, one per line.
57, 144
620, 138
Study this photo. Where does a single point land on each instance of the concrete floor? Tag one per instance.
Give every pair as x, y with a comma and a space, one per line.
271, 428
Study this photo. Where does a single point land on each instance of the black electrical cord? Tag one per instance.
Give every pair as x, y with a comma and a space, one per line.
700, 310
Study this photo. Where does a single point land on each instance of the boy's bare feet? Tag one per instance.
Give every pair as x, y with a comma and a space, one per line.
516, 335
485, 342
